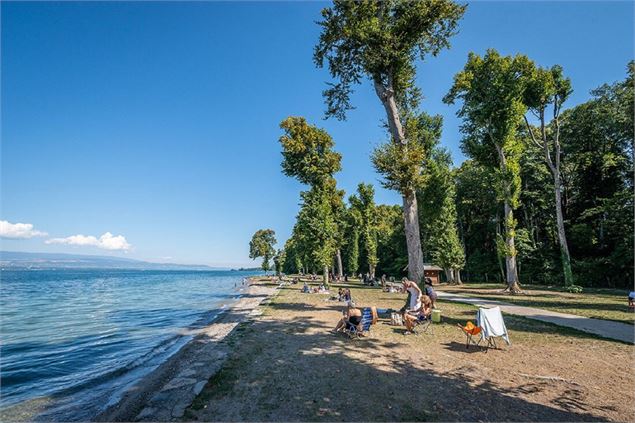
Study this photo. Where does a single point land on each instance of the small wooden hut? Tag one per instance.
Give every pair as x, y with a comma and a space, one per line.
433, 272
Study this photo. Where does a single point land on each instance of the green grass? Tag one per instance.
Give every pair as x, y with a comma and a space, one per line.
606, 304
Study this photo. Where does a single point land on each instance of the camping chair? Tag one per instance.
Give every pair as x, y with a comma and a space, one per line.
369, 317
470, 331
492, 325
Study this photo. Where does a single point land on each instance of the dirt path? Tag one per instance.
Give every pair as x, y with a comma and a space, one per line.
604, 328
288, 366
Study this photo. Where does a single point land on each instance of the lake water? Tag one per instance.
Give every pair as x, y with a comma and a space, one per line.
73, 340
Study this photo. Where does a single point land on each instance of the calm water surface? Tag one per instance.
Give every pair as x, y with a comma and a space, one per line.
73, 339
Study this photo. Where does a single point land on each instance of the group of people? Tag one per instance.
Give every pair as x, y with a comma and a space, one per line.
418, 307
316, 290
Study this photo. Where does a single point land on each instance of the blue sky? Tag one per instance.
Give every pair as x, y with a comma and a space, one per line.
151, 129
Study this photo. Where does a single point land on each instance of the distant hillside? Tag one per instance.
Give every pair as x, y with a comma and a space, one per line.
19, 260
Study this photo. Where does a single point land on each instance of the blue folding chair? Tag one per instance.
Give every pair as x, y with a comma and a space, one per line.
356, 332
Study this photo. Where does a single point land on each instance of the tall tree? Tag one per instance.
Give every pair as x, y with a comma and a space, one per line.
477, 209
439, 218
381, 40
492, 89
308, 156
364, 203
549, 88
598, 183
261, 245
351, 238
316, 222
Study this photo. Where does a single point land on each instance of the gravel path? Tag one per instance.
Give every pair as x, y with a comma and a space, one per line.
604, 328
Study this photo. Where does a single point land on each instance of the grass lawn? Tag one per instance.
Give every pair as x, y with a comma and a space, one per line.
287, 366
608, 304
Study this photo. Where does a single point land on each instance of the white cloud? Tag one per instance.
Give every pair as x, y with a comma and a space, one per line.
107, 241
18, 230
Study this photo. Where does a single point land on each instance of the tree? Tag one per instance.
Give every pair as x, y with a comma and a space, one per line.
549, 88
598, 183
278, 261
308, 156
381, 40
351, 237
316, 223
261, 245
492, 89
439, 218
477, 208
364, 203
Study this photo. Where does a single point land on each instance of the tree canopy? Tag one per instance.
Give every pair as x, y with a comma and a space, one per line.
262, 245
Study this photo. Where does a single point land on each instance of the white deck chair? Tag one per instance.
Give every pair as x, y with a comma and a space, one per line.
492, 325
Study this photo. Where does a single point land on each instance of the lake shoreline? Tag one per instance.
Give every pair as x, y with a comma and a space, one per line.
164, 393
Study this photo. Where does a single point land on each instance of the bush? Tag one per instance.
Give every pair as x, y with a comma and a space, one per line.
574, 289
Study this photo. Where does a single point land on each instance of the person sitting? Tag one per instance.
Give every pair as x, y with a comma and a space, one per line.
351, 318
430, 292
413, 301
305, 288
411, 318
347, 295
340, 294
631, 299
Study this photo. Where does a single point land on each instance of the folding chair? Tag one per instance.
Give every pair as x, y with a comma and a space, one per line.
470, 331
368, 318
492, 325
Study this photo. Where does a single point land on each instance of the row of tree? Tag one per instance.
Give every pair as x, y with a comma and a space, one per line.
536, 173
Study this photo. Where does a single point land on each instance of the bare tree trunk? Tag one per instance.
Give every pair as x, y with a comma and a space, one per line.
457, 277
555, 172
562, 237
325, 276
510, 253
413, 241
410, 212
340, 270
371, 272
448, 275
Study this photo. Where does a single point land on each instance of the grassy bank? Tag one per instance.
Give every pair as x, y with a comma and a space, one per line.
608, 304
288, 366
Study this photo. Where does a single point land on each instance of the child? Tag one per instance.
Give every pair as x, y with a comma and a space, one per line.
430, 292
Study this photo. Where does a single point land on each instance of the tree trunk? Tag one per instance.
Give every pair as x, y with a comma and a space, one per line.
340, 270
457, 277
413, 242
511, 275
448, 275
562, 237
325, 276
410, 212
371, 272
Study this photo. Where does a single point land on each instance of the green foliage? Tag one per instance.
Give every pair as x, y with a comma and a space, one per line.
400, 164
364, 204
381, 40
392, 253
316, 226
307, 152
574, 289
351, 241
261, 245
437, 214
278, 261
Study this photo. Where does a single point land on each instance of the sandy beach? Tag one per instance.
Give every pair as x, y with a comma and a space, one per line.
164, 394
